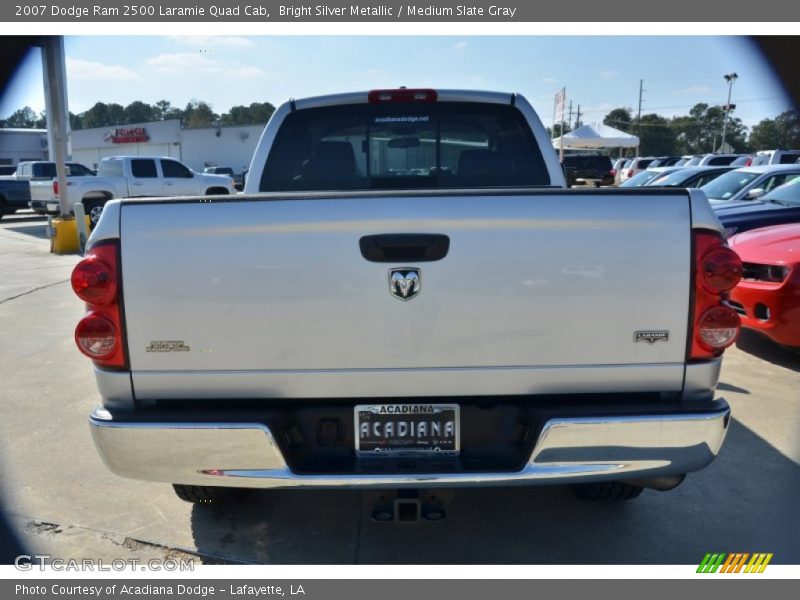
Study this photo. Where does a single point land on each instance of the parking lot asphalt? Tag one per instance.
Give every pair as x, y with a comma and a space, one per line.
60, 498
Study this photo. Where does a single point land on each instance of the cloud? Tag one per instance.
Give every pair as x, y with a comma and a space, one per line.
693, 89
458, 46
170, 64
179, 61
602, 109
86, 70
209, 41
248, 72
608, 74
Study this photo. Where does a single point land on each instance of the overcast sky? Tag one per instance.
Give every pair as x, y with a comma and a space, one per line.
600, 73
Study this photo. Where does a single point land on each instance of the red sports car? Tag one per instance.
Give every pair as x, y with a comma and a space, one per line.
768, 296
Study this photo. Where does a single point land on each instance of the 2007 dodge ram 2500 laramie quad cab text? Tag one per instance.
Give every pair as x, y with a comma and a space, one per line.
405, 296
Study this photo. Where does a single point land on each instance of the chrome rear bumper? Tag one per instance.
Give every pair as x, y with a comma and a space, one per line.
569, 450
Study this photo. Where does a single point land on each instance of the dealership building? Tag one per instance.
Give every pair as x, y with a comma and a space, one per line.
221, 146
17, 145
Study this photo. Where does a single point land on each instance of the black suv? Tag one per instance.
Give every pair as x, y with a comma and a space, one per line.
591, 168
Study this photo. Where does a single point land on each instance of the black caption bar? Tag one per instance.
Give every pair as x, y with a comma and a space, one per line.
397, 589
110, 11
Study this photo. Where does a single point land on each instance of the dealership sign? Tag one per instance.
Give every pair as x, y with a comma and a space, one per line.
127, 135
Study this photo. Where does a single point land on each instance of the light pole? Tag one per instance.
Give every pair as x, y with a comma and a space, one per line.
730, 78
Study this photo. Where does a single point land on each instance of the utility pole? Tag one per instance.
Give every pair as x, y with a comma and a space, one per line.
730, 78
561, 137
639, 115
55, 88
578, 118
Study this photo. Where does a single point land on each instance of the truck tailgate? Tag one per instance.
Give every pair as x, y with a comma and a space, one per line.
541, 292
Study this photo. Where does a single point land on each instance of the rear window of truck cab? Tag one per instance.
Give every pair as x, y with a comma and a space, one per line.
404, 146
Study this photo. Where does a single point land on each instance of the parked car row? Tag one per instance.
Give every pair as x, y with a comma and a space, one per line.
688, 177
720, 184
626, 168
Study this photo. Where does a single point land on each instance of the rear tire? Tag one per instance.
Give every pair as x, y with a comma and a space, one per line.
94, 210
205, 494
607, 491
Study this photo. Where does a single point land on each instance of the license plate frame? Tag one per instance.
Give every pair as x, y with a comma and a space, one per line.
416, 413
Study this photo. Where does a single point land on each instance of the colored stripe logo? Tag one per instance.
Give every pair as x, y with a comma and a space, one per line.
737, 562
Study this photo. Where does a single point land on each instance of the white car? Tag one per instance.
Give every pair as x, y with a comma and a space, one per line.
775, 157
634, 166
749, 183
617, 169
127, 177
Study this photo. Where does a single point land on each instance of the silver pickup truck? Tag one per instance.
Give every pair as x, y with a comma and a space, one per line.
406, 296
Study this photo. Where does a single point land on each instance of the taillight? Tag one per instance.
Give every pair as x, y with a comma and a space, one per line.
55, 187
401, 95
93, 280
97, 337
720, 270
96, 281
748, 162
717, 270
613, 172
718, 327
630, 173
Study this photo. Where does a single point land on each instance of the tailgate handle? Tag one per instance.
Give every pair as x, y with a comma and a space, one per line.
404, 247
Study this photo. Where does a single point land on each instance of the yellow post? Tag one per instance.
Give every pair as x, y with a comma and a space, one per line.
64, 236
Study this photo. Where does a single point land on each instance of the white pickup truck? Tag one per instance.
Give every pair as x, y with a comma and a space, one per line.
125, 177
406, 296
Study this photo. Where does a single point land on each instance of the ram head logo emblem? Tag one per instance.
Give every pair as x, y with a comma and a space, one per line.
405, 283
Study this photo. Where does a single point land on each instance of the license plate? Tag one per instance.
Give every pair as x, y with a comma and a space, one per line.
403, 429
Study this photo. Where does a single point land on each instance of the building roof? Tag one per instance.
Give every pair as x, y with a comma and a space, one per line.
22, 130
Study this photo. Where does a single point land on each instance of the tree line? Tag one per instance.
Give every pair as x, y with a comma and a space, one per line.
196, 114
700, 131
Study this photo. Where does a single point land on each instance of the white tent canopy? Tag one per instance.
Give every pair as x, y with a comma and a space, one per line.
597, 135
